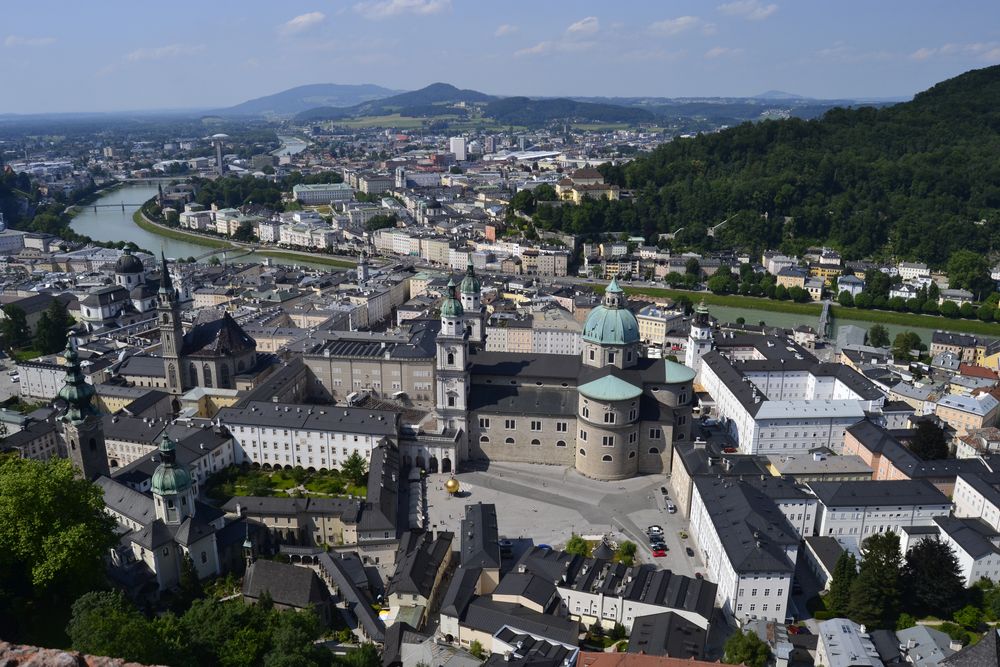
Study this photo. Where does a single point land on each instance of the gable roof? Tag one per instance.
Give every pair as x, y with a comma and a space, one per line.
219, 338
289, 585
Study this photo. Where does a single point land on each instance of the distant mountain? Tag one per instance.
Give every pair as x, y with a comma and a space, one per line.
415, 101
525, 111
295, 100
778, 95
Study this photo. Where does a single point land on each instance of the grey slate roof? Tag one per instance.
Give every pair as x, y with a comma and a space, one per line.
142, 366
527, 586
667, 634
383, 423
461, 591
381, 508
479, 536
878, 492
418, 559
984, 654
522, 400
827, 550
357, 601
287, 584
489, 616
973, 535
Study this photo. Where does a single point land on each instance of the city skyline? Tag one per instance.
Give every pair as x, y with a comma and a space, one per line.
211, 56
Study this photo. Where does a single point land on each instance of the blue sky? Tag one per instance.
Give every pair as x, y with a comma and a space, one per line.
116, 55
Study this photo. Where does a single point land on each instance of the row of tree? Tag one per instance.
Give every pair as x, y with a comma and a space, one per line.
50, 332
884, 585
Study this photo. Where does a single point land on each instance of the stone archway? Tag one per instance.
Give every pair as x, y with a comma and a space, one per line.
446, 464
419, 462
432, 465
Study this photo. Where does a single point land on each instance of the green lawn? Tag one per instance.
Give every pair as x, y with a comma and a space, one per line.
391, 120
245, 481
313, 259
26, 354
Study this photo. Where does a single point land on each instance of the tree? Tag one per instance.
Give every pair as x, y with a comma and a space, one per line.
968, 269
355, 468
105, 623
844, 573
189, 585
577, 546
845, 299
878, 336
932, 578
692, 267
929, 442
719, 284
903, 344
14, 327
618, 632
381, 222
746, 648
875, 592
51, 330
245, 232
969, 617
949, 309
626, 552
476, 649
54, 535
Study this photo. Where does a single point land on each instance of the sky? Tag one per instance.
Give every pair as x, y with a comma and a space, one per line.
113, 55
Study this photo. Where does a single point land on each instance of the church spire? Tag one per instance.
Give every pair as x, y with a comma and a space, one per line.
76, 391
166, 284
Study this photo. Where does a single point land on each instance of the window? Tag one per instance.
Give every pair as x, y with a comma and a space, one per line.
451, 401
451, 358
606, 458
224, 376
611, 357
204, 557
631, 455
509, 441
484, 422
509, 424
753, 607
591, 354
586, 411
628, 356
767, 593
536, 425
583, 452
753, 593
536, 442
631, 415
609, 418
583, 435
655, 434
561, 427
206, 371
608, 441
632, 437
560, 443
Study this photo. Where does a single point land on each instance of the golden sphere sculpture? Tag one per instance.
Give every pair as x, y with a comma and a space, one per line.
451, 486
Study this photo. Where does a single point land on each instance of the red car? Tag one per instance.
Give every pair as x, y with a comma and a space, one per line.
658, 552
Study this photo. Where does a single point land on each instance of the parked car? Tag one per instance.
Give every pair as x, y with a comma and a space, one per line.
664, 491
654, 530
689, 551
658, 553
671, 508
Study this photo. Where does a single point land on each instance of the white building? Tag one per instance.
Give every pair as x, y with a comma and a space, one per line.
748, 534
913, 270
323, 193
975, 544
456, 145
976, 496
844, 643
853, 511
308, 235
317, 437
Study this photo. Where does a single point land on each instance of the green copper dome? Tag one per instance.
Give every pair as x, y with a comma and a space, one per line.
470, 283
451, 307
611, 323
170, 478
610, 388
675, 373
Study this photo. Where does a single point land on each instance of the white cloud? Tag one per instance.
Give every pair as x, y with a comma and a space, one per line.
751, 10
558, 46
585, 26
18, 40
164, 52
722, 52
506, 29
984, 51
301, 22
842, 52
383, 9
675, 26
536, 50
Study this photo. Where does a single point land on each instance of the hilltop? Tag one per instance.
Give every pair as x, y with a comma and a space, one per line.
916, 180
295, 100
428, 101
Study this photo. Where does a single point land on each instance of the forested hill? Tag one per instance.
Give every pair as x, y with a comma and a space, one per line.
917, 180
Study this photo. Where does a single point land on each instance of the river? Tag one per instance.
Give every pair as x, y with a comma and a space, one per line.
110, 223
792, 320
290, 146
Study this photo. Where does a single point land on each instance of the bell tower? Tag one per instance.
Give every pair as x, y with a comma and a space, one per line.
700, 339
168, 314
452, 365
172, 486
82, 426
472, 291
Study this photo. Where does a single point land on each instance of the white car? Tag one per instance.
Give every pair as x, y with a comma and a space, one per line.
671, 508
654, 530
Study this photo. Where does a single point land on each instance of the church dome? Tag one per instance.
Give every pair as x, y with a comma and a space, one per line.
170, 478
451, 307
128, 263
611, 323
470, 283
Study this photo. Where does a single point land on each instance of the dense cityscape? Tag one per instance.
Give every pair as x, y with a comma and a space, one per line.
361, 375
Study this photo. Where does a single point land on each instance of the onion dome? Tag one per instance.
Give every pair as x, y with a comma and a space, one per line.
451, 307
170, 478
470, 283
611, 323
129, 263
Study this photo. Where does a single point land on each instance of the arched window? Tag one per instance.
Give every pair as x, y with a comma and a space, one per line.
166, 319
483, 439
654, 450
206, 372
606, 458
631, 455
451, 358
204, 557
509, 441
172, 375
583, 452
224, 376
560, 443
193, 374
586, 411
536, 441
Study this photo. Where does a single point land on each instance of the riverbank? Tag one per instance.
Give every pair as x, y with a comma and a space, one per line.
153, 227
840, 313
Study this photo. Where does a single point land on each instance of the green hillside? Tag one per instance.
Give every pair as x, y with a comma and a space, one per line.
916, 180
